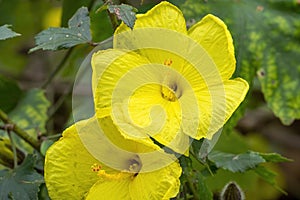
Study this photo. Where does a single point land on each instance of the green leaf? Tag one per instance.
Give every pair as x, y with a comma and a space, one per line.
31, 114
6, 32
269, 176
22, 182
78, 32
10, 94
69, 7
45, 146
235, 162
124, 12
271, 48
274, 157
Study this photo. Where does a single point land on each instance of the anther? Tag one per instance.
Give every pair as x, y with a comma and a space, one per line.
168, 62
96, 167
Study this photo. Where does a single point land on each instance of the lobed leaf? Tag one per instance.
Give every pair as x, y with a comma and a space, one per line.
22, 182
268, 176
6, 32
236, 162
124, 12
78, 32
274, 157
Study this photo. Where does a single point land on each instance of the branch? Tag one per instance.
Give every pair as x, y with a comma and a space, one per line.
20, 132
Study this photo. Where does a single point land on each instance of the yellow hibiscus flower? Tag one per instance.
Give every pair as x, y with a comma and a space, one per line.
124, 169
167, 82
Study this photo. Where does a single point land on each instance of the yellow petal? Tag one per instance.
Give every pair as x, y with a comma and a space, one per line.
163, 15
108, 68
158, 117
224, 100
112, 190
110, 146
236, 91
157, 185
114, 135
68, 173
119, 82
100, 61
105, 142
213, 35
158, 35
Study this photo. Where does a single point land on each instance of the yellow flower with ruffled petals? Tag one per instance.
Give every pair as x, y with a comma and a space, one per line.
163, 81
124, 169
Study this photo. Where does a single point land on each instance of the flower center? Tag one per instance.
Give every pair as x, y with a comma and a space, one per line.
168, 93
135, 165
169, 89
133, 168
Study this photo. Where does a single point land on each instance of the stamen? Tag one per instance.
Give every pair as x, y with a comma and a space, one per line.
169, 88
168, 62
134, 166
116, 176
96, 167
168, 94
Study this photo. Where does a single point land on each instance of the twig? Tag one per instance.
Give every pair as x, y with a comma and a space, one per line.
60, 101
20, 132
58, 68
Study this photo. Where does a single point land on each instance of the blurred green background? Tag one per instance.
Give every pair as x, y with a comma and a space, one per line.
267, 43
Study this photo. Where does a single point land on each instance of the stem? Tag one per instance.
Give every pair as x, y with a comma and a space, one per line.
202, 163
13, 148
58, 68
192, 188
112, 17
61, 100
23, 134
188, 175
